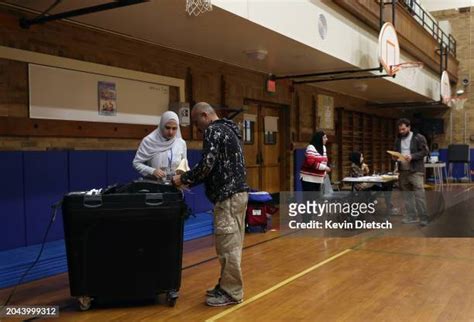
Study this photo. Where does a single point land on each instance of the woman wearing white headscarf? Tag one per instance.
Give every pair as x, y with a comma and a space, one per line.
161, 151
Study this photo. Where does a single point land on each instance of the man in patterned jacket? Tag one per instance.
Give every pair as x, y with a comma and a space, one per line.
222, 169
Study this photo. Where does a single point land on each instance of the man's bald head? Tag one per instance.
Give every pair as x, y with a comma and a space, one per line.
204, 107
202, 115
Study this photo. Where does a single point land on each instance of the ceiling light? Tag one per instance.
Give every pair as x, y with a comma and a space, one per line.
257, 54
362, 87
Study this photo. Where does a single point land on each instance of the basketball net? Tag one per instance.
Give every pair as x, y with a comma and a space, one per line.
196, 7
457, 102
408, 70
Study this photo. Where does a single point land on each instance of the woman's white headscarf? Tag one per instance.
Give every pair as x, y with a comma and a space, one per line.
155, 142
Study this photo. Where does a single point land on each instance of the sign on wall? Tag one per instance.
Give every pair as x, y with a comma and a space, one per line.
326, 112
107, 98
184, 114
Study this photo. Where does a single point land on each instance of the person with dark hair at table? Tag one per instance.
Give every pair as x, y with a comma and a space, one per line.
360, 169
315, 167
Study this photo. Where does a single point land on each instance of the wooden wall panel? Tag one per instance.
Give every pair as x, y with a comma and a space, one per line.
17, 132
372, 135
19, 126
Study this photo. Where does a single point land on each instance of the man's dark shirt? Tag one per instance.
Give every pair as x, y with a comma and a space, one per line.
222, 167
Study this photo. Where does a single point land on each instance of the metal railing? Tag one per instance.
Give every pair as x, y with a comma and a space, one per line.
430, 24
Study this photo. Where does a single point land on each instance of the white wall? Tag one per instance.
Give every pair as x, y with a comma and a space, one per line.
347, 38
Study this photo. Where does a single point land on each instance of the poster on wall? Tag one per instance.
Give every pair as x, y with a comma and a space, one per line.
326, 111
184, 115
107, 99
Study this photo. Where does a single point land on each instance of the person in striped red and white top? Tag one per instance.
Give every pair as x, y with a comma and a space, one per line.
315, 165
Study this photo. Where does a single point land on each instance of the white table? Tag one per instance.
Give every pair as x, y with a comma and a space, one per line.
379, 179
387, 180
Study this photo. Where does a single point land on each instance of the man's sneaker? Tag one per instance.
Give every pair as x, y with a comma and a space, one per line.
213, 291
409, 220
424, 222
222, 299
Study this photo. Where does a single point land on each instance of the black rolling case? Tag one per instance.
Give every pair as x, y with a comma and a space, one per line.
125, 243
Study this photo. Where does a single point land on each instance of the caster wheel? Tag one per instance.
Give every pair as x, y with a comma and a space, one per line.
171, 302
84, 302
171, 298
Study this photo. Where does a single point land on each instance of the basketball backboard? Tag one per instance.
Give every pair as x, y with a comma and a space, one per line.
389, 48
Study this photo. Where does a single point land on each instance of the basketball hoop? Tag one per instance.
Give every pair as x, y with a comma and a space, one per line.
457, 102
196, 7
408, 70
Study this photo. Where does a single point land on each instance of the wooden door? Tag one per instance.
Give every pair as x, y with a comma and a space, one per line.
270, 152
262, 149
251, 128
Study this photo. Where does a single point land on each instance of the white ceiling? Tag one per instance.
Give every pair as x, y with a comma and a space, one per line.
223, 36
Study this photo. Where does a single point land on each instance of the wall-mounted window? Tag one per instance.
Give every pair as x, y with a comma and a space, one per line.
270, 138
270, 130
248, 130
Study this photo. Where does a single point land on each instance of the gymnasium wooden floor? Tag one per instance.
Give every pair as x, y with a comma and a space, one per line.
368, 277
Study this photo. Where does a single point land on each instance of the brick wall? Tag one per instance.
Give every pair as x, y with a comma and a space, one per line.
462, 25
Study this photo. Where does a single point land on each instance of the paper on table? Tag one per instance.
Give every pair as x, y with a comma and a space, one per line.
182, 167
396, 154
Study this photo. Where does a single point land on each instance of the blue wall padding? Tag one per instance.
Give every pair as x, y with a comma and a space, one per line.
87, 170
193, 157
200, 201
46, 182
190, 196
119, 167
12, 214
299, 158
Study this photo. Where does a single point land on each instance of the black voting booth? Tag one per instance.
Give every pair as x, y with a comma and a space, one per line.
125, 243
